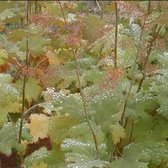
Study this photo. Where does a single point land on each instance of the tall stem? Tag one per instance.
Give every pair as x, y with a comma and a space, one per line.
116, 35
35, 6
125, 105
30, 6
97, 3
81, 91
134, 66
149, 50
84, 104
24, 74
156, 32
122, 119
131, 132
149, 7
63, 14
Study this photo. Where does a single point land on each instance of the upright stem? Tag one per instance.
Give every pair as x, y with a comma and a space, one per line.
24, 74
125, 105
149, 49
81, 91
115, 150
101, 9
156, 32
147, 56
84, 104
116, 35
131, 133
30, 7
35, 6
134, 66
63, 14
97, 3
149, 7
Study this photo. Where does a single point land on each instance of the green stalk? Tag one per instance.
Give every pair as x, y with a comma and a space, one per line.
24, 75
134, 66
24, 83
149, 7
63, 14
122, 119
84, 105
35, 6
81, 92
116, 35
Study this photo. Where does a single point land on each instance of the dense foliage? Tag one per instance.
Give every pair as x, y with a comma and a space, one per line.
89, 79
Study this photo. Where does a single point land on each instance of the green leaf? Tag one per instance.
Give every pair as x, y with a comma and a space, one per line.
130, 158
9, 98
80, 154
105, 107
3, 118
33, 89
162, 59
102, 46
159, 132
36, 156
94, 25
18, 35
135, 31
127, 164
25, 130
144, 153
5, 78
39, 165
7, 13
163, 109
59, 127
71, 104
36, 44
53, 158
86, 62
143, 129
149, 128
88, 164
3, 55
7, 5
93, 75
118, 133
77, 146
8, 139
144, 103
82, 132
